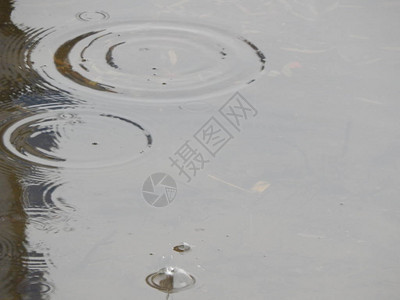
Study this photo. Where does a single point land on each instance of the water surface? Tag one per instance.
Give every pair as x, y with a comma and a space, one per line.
300, 202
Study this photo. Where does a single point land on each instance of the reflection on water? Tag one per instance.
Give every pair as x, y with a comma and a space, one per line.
46, 209
17, 75
23, 270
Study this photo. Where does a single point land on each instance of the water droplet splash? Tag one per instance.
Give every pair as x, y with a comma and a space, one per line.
170, 280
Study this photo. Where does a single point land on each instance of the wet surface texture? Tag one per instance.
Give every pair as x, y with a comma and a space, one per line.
264, 134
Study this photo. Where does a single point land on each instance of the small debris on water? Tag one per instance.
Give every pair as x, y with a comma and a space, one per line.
184, 247
260, 186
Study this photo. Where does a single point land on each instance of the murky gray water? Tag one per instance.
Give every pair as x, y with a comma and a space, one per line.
199, 150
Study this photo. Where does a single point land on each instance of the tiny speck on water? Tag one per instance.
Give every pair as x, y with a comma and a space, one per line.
164, 83
94, 143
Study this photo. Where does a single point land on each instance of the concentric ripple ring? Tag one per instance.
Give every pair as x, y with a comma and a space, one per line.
75, 139
149, 61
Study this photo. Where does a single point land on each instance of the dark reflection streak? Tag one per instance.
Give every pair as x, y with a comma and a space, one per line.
83, 67
258, 52
47, 74
15, 58
109, 57
12, 214
146, 133
29, 55
19, 278
91, 43
12, 237
64, 66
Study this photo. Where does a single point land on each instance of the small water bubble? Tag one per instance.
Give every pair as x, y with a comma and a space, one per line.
170, 280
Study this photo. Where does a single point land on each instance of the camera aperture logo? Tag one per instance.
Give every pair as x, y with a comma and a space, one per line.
159, 190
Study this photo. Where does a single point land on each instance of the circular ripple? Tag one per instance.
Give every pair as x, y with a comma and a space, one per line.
35, 284
46, 209
17, 71
146, 61
83, 139
92, 16
9, 248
